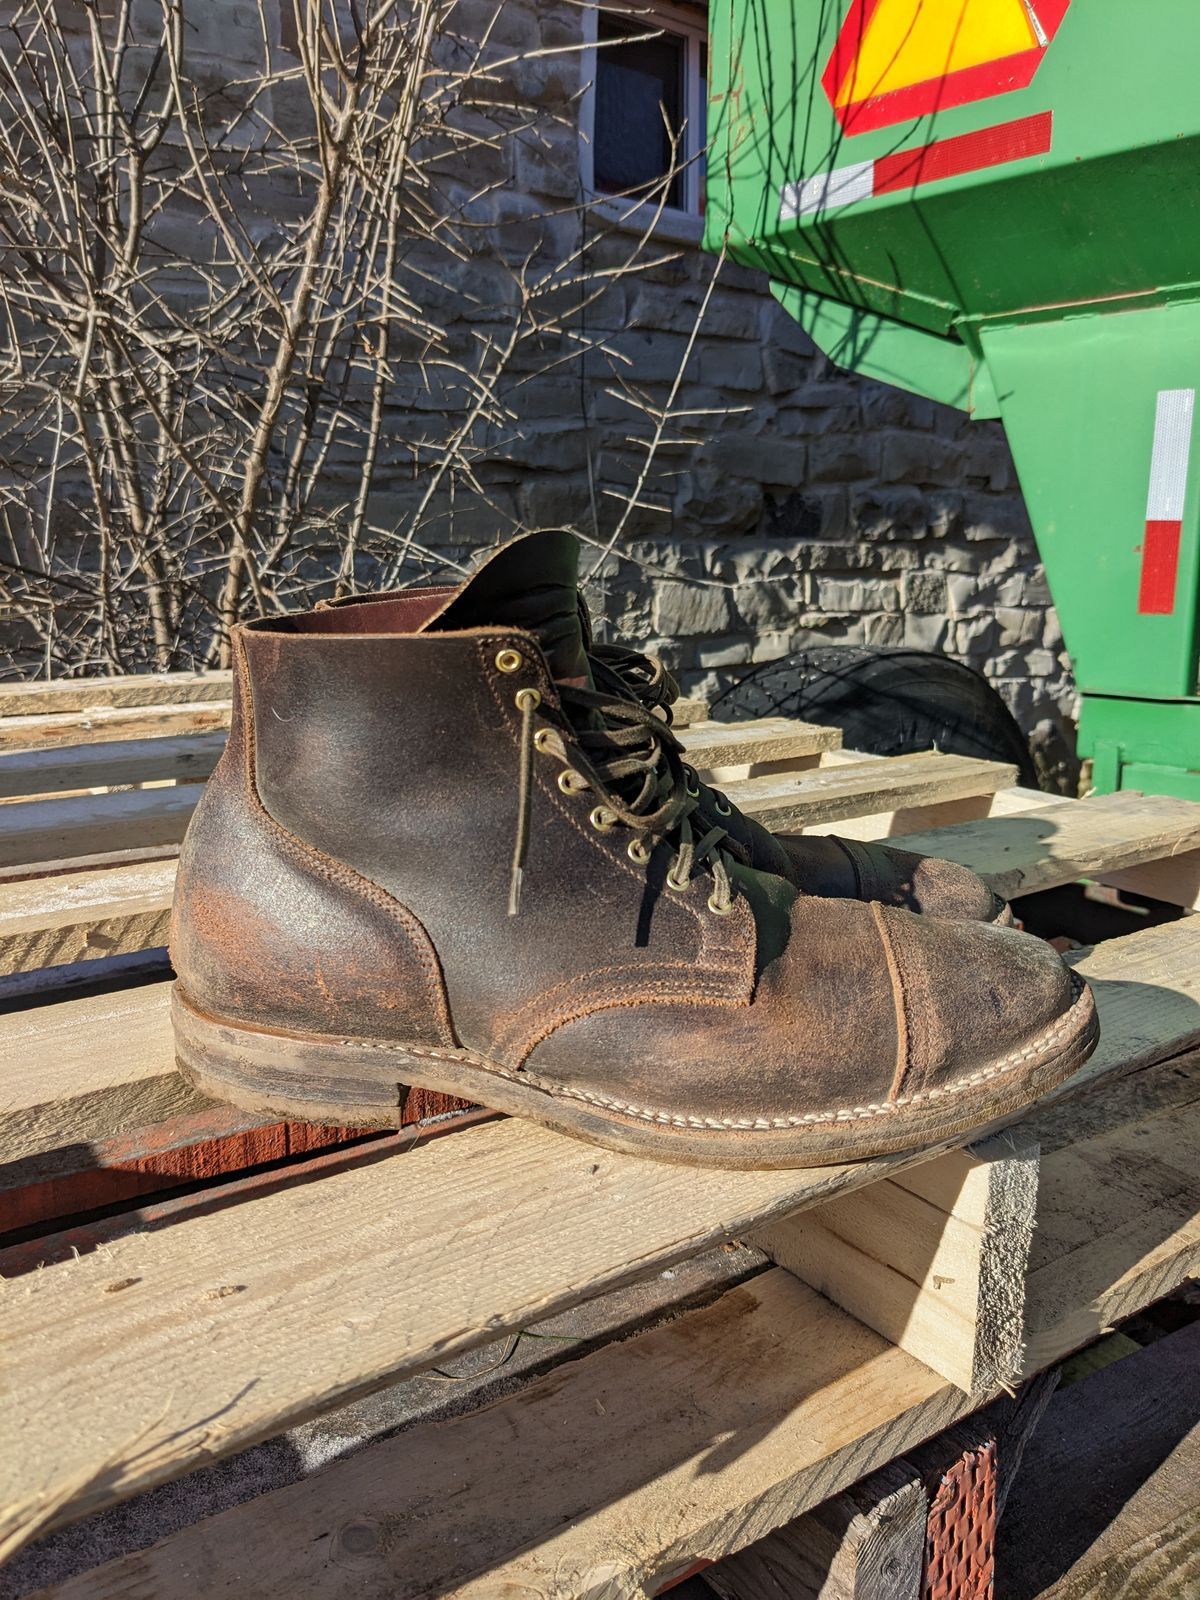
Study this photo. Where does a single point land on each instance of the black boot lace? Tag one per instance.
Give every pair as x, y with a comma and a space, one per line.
631, 762
627, 672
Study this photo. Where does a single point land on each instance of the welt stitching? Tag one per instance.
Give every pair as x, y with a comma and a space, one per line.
841, 1115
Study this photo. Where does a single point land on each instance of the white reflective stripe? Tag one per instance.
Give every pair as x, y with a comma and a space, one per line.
1172, 449
826, 190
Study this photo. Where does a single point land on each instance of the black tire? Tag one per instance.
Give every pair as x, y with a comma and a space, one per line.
888, 702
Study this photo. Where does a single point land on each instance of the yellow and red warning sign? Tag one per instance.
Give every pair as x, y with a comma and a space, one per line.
899, 59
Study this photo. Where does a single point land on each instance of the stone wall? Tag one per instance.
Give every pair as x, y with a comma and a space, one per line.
793, 504
785, 503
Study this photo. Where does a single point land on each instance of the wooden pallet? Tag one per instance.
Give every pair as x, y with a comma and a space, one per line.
182, 1322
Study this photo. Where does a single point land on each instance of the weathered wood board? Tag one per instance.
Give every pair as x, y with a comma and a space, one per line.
313, 1266
947, 1284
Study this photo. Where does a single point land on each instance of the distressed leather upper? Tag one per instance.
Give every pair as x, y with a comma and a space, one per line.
348, 872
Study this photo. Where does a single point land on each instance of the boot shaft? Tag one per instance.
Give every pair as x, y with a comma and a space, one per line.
395, 760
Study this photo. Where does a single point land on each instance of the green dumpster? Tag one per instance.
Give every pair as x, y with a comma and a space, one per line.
996, 203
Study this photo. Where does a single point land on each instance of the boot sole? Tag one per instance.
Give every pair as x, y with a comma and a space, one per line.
363, 1083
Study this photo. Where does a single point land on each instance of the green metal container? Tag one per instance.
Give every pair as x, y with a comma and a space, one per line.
996, 203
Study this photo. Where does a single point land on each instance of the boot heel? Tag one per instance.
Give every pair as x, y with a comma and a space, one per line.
297, 1076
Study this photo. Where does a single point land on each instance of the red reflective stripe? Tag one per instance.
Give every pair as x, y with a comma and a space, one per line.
1160, 564
847, 45
959, 88
969, 152
1050, 14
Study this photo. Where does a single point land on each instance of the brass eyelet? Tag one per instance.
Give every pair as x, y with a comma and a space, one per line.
691, 783
510, 660
724, 809
602, 819
717, 909
570, 781
528, 699
638, 850
673, 883
542, 738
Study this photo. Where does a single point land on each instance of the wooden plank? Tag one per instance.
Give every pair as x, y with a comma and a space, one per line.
867, 1543
1118, 1223
603, 1482
768, 739
1107, 1504
86, 1069
686, 712
129, 689
315, 1294
130, 1125
85, 916
183, 757
783, 801
69, 695
1175, 879
37, 831
59, 728
946, 1286
336, 1253
199, 1146
676, 1469
1033, 850
1073, 836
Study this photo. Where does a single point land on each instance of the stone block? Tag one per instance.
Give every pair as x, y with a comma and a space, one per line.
974, 636
828, 394
642, 356
898, 512
710, 500
844, 458
885, 629
772, 647
925, 632
773, 462
553, 501
779, 331
885, 407
792, 516
727, 316
1018, 627
995, 516
963, 594
548, 164
731, 366
559, 446
507, 27
988, 460
784, 370
684, 610
924, 592
908, 457
841, 594
771, 605
732, 652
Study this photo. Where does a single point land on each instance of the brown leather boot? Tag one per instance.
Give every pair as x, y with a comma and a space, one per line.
344, 915
825, 865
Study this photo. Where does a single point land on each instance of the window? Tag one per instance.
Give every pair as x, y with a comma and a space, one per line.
646, 103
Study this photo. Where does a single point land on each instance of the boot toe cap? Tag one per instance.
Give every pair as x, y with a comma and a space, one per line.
974, 1001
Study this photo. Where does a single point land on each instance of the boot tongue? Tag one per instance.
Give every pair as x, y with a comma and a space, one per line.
531, 583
